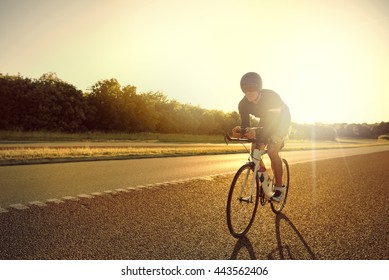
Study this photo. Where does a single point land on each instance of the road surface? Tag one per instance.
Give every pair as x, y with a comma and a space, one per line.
30, 183
337, 209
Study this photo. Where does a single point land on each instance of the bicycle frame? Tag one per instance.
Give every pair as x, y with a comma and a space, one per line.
256, 157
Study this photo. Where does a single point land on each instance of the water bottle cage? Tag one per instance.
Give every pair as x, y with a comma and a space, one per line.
262, 178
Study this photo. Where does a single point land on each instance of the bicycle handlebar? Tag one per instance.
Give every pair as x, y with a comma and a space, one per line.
258, 133
228, 138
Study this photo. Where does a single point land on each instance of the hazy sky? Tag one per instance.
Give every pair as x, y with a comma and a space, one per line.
328, 60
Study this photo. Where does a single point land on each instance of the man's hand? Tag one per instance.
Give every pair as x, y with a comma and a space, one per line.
250, 134
238, 132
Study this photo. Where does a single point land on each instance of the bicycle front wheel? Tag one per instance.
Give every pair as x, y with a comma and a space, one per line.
278, 206
242, 202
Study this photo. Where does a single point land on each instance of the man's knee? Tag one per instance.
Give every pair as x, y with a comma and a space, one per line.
273, 150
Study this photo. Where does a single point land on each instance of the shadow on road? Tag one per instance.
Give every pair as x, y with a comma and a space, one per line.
243, 242
291, 245
294, 250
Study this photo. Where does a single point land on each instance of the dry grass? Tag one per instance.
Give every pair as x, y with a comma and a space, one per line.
47, 152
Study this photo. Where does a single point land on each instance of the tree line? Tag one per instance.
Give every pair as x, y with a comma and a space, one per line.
341, 130
50, 104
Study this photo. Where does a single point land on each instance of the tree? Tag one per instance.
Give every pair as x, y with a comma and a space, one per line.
54, 105
12, 101
312, 132
44, 104
103, 99
380, 129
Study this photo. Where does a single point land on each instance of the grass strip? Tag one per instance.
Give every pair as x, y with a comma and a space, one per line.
41, 153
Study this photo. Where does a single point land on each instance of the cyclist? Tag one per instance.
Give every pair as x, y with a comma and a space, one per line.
274, 119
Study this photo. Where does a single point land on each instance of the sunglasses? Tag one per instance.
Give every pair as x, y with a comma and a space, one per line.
250, 87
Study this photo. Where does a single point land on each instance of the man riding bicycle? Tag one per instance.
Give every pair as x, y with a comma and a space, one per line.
274, 119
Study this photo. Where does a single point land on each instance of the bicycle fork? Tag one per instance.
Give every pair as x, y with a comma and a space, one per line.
248, 199
255, 160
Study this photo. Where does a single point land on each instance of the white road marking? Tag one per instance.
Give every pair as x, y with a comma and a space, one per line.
97, 194
85, 196
55, 200
19, 206
38, 203
71, 198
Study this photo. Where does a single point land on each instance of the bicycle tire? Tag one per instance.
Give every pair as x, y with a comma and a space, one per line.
241, 209
277, 207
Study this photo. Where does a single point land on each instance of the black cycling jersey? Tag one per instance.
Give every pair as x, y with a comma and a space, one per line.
273, 113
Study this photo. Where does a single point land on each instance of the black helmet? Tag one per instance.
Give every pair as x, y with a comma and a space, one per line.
251, 81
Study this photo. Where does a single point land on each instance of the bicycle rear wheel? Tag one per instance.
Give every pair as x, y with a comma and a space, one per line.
278, 206
241, 205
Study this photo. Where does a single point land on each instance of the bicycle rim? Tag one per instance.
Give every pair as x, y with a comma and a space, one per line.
241, 208
278, 206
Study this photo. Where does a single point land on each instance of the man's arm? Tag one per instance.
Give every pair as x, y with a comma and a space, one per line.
244, 115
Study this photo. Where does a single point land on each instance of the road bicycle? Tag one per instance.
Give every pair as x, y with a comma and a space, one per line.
252, 183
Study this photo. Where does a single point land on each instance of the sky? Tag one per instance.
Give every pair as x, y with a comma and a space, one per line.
327, 59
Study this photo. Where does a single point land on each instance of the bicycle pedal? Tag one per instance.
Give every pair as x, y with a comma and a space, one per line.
245, 199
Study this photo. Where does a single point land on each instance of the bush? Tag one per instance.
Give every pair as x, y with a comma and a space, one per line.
383, 137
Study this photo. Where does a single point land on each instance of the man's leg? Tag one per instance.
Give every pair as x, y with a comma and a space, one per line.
276, 162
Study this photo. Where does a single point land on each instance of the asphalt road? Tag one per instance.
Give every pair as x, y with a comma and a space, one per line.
337, 209
21, 185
